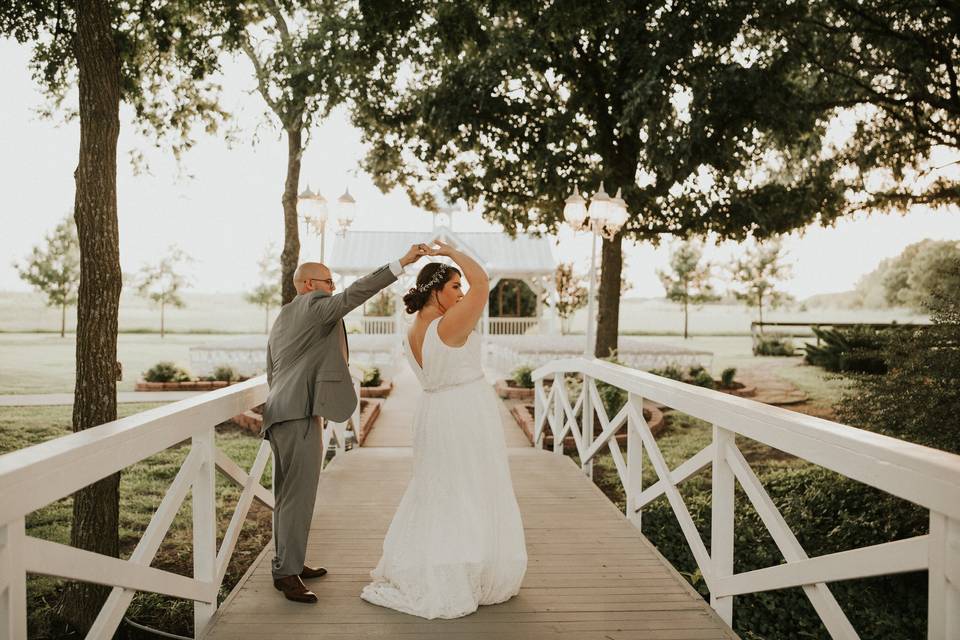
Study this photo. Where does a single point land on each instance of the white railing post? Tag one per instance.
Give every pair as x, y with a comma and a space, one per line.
943, 619
205, 526
559, 418
586, 420
13, 582
634, 462
722, 519
538, 411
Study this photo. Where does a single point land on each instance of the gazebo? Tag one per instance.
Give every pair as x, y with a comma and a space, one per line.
524, 258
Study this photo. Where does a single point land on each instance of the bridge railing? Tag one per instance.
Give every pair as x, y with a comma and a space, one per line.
34, 477
922, 475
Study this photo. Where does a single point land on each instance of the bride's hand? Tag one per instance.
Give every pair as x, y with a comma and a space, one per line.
442, 249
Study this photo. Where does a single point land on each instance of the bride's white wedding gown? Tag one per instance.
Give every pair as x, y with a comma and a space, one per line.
456, 540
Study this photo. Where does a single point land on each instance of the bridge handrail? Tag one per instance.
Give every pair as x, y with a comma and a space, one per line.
925, 476
33, 477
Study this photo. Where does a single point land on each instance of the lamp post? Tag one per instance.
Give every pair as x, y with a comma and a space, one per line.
346, 209
312, 208
604, 216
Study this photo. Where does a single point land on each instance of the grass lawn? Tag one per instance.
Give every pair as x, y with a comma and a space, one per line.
142, 486
44, 362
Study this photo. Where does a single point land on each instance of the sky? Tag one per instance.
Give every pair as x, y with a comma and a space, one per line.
222, 206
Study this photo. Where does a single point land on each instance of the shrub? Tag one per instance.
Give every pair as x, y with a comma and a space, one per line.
772, 346
850, 349
726, 378
166, 372
522, 376
827, 513
225, 373
703, 379
670, 371
371, 377
919, 398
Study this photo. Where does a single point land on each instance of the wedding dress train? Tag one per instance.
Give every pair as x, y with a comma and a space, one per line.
456, 540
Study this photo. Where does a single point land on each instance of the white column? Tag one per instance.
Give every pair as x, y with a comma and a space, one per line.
205, 527
13, 582
722, 519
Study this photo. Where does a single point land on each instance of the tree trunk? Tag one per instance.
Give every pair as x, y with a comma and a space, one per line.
96, 508
266, 321
608, 309
760, 310
63, 320
162, 318
291, 238
685, 318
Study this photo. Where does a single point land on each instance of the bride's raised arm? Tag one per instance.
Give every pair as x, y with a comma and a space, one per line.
461, 319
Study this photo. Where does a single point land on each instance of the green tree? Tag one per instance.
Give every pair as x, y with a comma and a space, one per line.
507, 105
297, 51
157, 57
758, 273
891, 69
923, 269
267, 292
571, 294
923, 365
161, 282
54, 269
688, 282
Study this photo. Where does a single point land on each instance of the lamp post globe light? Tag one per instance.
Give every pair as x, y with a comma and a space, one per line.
346, 210
312, 209
603, 216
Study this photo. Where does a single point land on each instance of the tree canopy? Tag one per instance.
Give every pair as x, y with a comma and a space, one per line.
510, 105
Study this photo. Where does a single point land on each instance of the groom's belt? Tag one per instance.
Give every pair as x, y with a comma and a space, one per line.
444, 387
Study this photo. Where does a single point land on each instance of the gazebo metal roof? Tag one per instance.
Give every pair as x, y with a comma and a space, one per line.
360, 252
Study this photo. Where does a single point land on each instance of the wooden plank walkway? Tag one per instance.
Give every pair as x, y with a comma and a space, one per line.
590, 574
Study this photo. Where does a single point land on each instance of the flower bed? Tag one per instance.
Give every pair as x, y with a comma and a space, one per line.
510, 390
189, 385
380, 391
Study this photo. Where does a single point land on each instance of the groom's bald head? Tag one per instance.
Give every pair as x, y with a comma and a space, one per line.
312, 276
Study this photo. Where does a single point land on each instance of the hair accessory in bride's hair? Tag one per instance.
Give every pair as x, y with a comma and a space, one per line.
437, 278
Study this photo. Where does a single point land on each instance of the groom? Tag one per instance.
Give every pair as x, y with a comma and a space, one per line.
308, 378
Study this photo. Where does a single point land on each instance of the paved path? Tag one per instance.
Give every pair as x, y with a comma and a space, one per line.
47, 399
591, 575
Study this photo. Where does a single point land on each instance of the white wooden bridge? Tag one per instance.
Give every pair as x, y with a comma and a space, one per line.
591, 573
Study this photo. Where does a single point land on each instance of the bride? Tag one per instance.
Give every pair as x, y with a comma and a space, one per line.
456, 540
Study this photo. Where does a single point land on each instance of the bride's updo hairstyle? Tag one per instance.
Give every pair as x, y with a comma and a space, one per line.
431, 278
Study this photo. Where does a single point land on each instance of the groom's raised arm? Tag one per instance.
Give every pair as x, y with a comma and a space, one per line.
333, 308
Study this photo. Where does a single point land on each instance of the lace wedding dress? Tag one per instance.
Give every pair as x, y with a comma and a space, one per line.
456, 540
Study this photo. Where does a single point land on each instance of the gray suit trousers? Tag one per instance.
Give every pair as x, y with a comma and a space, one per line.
296, 472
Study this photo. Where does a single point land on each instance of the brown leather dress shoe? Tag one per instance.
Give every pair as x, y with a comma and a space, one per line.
294, 589
312, 572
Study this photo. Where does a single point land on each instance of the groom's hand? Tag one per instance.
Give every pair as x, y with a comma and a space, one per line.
416, 252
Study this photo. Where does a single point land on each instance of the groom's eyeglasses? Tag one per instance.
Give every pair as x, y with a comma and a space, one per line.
329, 281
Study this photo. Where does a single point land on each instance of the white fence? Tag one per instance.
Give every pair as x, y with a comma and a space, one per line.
510, 326
924, 476
36, 476
377, 325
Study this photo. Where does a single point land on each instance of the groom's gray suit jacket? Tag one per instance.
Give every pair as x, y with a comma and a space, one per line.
306, 370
